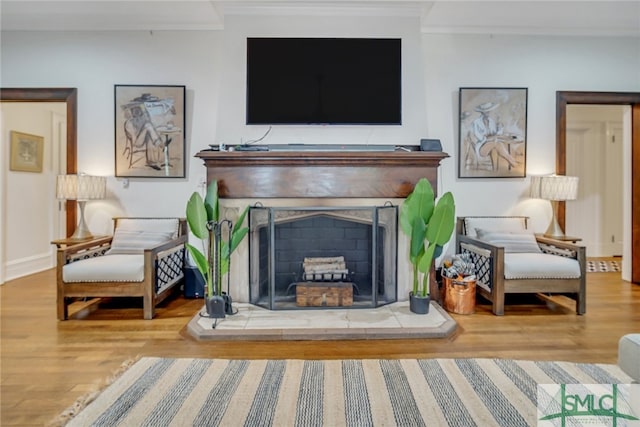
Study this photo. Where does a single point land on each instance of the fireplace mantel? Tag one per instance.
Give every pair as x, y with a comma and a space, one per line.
315, 174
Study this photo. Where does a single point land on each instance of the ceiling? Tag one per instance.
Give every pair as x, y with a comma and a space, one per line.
569, 17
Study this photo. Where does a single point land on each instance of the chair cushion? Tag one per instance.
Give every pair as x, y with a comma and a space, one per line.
150, 224
513, 242
135, 242
134, 235
106, 268
540, 266
493, 223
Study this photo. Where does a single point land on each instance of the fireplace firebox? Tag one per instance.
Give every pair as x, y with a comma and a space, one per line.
319, 257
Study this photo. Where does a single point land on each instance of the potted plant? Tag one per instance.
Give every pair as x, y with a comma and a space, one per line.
429, 226
203, 218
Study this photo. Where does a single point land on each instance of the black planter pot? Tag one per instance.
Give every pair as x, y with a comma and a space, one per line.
418, 304
215, 307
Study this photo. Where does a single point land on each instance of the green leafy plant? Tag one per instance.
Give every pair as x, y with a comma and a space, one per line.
202, 216
429, 226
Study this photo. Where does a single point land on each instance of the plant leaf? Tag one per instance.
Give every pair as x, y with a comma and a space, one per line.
443, 221
424, 263
425, 199
197, 216
439, 229
417, 239
211, 201
405, 215
242, 216
203, 266
437, 252
419, 204
236, 238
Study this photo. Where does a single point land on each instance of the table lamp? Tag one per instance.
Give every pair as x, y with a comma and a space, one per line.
555, 188
81, 188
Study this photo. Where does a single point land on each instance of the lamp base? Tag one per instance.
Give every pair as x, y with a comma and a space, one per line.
554, 231
82, 231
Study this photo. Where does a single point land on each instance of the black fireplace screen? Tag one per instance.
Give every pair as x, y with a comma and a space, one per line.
320, 257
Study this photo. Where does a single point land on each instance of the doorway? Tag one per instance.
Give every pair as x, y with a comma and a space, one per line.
595, 153
631, 99
69, 97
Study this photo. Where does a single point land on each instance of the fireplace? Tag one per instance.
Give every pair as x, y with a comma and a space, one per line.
296, 187
318, 257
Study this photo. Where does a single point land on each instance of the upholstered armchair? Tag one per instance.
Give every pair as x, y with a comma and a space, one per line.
144, 258
511, 259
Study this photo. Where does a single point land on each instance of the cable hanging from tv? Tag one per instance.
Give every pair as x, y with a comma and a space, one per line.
259, 139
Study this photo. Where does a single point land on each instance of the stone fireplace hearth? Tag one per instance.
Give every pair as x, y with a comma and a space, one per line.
328, 183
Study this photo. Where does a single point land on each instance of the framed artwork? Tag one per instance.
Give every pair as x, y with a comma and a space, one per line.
27, 152
492, 133
150, 131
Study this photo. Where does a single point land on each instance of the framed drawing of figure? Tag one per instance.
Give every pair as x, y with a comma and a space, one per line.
492, 133
150, 131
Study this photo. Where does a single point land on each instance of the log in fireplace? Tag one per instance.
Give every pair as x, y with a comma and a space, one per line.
320, 180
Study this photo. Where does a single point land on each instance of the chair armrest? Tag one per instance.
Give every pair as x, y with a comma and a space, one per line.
156, 250
461, 238
563, 246
83, 250
488, 259
165, 263
566, 249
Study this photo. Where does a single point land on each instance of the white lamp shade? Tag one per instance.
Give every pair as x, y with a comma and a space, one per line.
534, 188
81, 187
558, 187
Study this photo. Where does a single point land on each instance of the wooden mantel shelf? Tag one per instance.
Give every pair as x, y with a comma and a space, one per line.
312, 174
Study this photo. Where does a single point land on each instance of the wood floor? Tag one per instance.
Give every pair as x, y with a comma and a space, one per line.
47, 364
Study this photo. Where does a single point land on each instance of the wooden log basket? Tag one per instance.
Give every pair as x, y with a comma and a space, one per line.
324, 294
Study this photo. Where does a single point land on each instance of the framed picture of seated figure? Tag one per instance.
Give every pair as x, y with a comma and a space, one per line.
492, 132
150, 131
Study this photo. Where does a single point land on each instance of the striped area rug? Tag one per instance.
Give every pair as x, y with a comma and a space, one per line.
435, 392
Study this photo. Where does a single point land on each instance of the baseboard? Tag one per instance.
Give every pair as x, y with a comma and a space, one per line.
28, 265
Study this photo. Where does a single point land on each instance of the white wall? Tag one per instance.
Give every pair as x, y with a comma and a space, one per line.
94, 62
542, 64
211, 65
231, 118
29, 218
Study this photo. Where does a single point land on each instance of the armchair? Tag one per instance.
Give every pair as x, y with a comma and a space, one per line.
144, 258
511, 259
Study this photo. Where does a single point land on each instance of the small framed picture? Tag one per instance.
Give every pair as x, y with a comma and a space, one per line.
492, 133
150, 131
27, 152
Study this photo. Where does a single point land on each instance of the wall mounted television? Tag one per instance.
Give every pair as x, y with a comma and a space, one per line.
324, 81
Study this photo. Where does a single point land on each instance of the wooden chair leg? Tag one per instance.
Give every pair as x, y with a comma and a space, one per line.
61, 302
148, 307
63, 312
498, 304
581, 303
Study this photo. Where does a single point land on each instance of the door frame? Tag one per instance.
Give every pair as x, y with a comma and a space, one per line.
70, 97
563, 98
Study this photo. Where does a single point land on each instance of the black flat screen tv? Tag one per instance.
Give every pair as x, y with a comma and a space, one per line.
324, 81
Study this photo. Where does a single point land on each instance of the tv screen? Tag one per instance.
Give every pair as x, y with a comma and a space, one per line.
324, 81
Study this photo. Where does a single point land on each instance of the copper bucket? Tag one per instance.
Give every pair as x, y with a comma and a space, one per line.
459, 296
